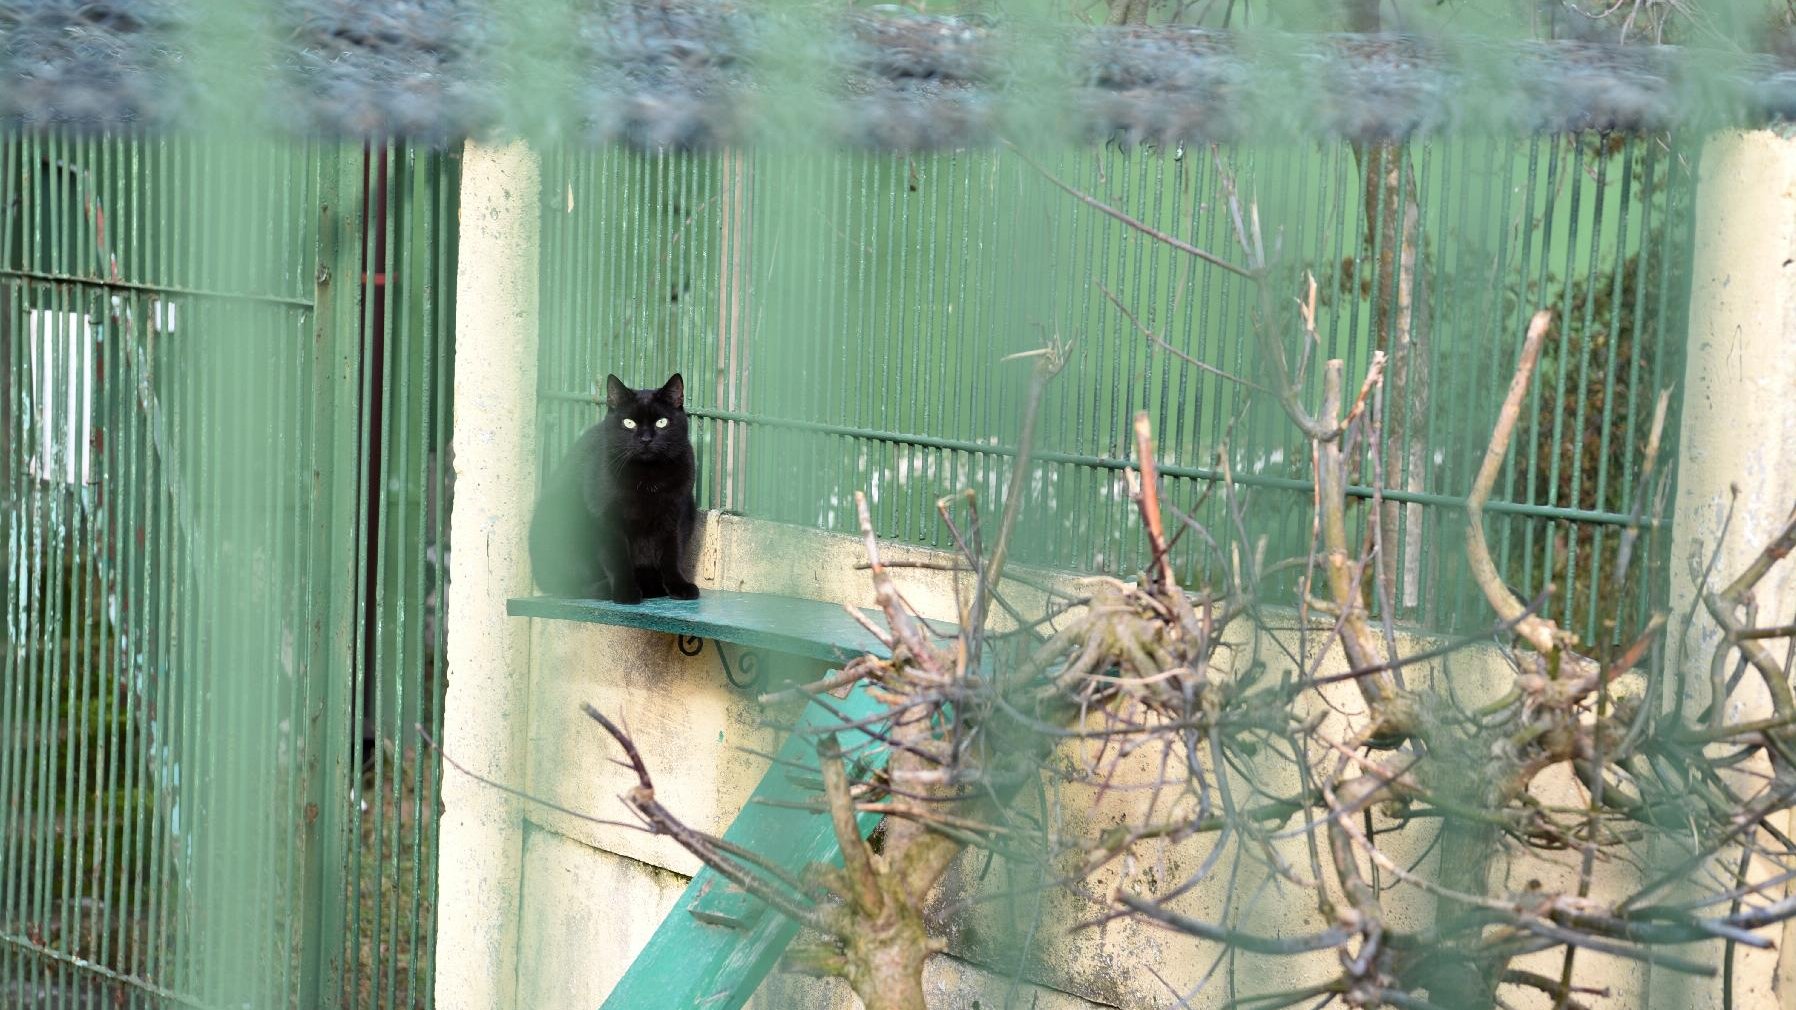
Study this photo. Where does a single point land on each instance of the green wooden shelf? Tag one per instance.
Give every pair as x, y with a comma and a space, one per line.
717, 944
785, 624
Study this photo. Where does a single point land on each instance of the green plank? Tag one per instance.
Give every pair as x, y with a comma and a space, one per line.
785, 624
718, 944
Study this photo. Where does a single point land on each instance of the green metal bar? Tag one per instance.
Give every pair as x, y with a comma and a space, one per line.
415, 338
1618, 273
49, 546
444, 256
289, 217
366, 609
208, 696
174, 370
1513, 466
154, 393
336, 420
1642, 255
134, 546
1500, 353
285, 211
1568, 594
39, 593
377, 373
110, 711
272, 835
399, 491
13, 661
21, 619
1102, 463
1425, 595
75, 823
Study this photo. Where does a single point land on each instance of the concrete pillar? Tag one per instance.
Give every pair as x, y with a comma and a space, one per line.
1739, 392
1738, 430
480, 849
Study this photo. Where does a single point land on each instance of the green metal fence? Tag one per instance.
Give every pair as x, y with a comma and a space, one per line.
842, 320
223, 415
226, 416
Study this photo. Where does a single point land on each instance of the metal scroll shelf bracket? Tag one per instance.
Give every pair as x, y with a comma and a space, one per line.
748, 661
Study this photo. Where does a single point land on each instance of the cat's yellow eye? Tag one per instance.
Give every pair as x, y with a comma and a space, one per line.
629, 423
661, 422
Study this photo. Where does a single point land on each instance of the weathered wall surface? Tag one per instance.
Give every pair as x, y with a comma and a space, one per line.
1737, 470
480, 845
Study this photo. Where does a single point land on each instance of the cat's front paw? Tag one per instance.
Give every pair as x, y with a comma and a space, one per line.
682, 591
626, 593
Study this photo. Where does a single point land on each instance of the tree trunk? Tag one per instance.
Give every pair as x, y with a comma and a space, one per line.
1393, 231
886, 956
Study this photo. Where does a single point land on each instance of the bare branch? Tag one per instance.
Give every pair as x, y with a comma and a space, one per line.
864, 887
642, 800
1149, 500
1540, 632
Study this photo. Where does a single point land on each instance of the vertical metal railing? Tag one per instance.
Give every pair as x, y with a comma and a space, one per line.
225, 373
882, 290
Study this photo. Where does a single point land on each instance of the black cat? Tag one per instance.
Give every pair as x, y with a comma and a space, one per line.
615, 520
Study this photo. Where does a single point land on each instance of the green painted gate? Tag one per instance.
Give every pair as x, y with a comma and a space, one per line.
223, 407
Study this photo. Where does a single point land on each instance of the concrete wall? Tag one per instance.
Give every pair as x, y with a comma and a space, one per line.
1739, 451
481, 843
544, 910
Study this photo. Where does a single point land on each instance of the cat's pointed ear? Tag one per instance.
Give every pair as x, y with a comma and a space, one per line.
617, 395
674, 392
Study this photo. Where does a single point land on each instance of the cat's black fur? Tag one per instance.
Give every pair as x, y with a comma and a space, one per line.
615, 521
